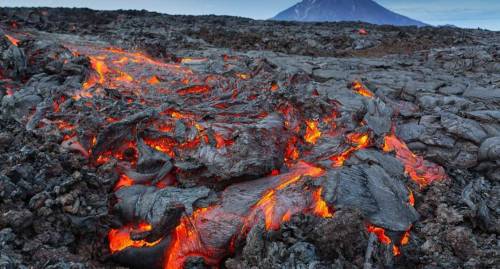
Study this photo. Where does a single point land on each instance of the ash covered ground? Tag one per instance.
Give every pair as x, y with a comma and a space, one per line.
394, 133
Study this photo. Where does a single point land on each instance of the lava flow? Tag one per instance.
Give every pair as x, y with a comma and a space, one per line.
13, 40
312, 132
419, 170
273, 207
186, 241
165, 126
359, 141
119, 239
321, 209
361, 89
269, 204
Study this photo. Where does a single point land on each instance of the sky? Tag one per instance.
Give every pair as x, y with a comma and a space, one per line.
462, 13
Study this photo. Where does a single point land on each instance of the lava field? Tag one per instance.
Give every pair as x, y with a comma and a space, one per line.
132, 139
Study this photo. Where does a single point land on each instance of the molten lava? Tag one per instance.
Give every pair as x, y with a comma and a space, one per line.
268, 204
274, 86
380, 233
359, 140
128, 72
416, 167
411, 199
124, 181
178, 114
405, 239
101, 68
186, 241
154, 80
312, 132
135, 81
221, 141
198, 89
291, 151
361, 89
64, 125
126, 152
163, 144
119, 239
383, 238
12, 40
320, 207
124, 77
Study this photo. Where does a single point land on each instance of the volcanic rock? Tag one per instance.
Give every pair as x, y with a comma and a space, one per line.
193, 142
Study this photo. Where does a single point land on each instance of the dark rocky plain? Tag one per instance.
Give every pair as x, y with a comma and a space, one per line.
437, 88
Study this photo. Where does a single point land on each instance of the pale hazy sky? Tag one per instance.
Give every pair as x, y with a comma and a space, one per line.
463, 13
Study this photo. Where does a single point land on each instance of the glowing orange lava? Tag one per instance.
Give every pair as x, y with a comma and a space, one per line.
320, 207
140, 58
12, 40
178, 114
198, 89
126, 152
154, 80
124, 77
395, 250
405, 239
360, 89
101, 68
64, 125
119, 239
291, 151
124, 181
186, 241
274, 86
360, 140
121, 61
164, 127
312, 132
276, 203
411, 198
112, 68
163, 144
56, 104
380, 233
267, 204
416, 167
221, 141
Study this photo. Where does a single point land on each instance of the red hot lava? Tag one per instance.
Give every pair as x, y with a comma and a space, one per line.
358, 141
135, 74
119, 239
272, 207
361, 89
312, 132
421, 171
14, 41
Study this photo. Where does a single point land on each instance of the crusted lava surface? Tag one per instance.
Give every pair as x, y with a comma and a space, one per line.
145, 140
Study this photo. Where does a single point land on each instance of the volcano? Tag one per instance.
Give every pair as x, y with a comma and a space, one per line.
344, 10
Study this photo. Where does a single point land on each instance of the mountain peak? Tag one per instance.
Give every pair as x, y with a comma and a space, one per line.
344, 10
